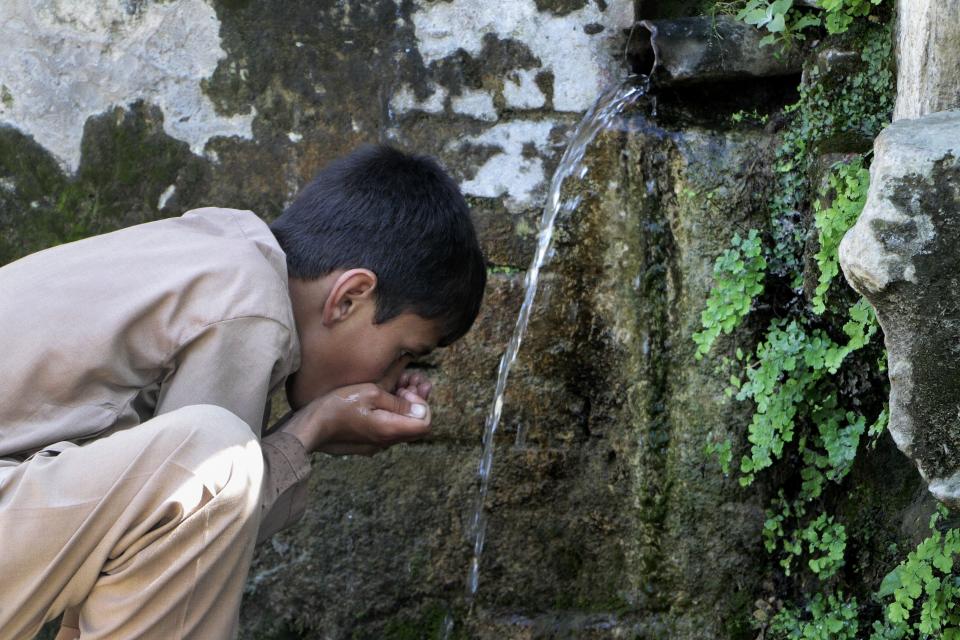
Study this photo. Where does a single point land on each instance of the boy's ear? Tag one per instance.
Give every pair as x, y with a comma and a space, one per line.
352, 289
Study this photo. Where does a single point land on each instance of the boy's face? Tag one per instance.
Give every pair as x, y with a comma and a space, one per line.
339, 343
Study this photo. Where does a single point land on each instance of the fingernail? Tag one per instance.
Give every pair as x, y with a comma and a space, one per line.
418, 410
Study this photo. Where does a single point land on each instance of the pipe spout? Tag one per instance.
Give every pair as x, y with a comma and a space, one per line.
704, 49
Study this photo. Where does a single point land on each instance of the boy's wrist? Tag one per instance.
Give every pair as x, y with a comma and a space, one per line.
305, 426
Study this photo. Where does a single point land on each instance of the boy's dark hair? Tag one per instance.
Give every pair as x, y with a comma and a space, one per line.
402, 217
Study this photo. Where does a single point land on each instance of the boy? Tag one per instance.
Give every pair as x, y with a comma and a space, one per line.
138, 365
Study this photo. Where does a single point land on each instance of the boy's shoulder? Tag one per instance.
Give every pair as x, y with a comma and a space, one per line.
209, 264
229, 253
211, 242
237, 236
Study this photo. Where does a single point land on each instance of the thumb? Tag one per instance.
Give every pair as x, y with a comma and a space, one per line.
414, 406
401, 418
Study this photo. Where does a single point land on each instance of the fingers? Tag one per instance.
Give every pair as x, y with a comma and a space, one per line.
404, 404
420, 384
416, 382
418, 407
424, 388
366, 415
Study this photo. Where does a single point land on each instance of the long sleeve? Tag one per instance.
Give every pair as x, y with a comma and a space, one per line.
233, 364
285, 482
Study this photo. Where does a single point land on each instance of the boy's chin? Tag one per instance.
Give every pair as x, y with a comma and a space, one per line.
295, 397
298, 398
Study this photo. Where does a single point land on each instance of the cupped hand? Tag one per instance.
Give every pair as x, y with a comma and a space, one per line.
362, 419
398, 379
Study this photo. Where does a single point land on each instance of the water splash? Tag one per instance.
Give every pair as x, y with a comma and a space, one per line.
599, 117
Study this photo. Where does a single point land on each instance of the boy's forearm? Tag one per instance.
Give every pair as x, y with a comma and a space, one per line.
287, 469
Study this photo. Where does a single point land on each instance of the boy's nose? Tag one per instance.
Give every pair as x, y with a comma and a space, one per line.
393, 373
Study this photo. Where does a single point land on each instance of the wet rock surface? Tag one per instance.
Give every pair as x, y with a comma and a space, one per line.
704, 49
598, 511
902, 256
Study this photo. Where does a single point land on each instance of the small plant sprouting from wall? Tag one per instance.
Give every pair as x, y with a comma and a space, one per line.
808, 421
923, 592
785, 21
920, 598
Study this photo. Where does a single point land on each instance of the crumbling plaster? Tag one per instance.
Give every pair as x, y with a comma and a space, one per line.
64, 62
575, 49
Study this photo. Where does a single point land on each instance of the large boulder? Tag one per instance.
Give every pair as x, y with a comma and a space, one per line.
903, 256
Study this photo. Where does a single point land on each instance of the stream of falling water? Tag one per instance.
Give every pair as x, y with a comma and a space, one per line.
608, 106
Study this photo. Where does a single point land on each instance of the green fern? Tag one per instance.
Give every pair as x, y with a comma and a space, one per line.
848, 182
737, 279
925, 590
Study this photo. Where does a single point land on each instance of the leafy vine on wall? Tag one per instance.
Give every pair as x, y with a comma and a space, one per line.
808, 421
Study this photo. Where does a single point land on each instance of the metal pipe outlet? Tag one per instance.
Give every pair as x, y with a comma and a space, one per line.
705, 49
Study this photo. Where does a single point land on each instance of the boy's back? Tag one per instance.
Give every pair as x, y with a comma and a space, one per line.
148, 333
93, 332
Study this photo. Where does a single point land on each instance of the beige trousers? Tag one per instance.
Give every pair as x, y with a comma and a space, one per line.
145, 533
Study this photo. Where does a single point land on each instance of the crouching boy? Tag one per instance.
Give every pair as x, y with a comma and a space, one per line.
136, 474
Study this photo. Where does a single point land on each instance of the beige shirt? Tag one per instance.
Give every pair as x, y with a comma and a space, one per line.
105, 333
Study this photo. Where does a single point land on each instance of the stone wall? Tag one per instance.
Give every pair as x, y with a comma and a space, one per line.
606, 517
928, 43
902, 256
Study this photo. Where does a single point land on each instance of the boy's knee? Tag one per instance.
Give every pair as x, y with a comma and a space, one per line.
215, 445
212, 424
